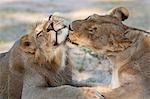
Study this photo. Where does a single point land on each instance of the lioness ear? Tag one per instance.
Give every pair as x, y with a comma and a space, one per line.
121, 13
27, 45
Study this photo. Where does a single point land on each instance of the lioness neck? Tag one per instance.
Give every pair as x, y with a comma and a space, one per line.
140, 45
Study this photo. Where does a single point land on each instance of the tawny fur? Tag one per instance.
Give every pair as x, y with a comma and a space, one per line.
127, 48
45, 68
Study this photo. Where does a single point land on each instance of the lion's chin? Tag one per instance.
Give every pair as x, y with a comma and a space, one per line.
43, 57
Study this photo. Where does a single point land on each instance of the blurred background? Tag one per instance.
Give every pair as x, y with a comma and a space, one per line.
17, 17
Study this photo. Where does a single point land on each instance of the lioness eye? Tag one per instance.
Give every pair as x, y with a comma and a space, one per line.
93, 30
90, 30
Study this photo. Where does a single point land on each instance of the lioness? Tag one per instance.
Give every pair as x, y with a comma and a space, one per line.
41, 58
128, 49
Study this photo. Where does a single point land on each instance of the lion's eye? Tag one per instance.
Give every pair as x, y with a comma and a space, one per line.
27, 43
39, 34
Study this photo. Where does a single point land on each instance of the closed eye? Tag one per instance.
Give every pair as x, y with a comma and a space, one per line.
38, 34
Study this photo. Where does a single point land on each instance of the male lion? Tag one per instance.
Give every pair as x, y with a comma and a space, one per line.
128, 49
41, 58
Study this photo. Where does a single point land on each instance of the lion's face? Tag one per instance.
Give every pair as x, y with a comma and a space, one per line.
43, 42
104, 33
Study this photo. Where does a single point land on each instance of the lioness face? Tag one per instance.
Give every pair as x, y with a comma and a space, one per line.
46, 38
104, 33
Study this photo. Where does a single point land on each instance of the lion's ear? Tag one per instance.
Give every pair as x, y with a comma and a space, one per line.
121, 13
26, 44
